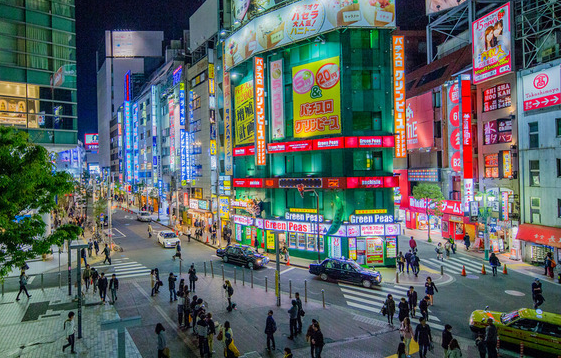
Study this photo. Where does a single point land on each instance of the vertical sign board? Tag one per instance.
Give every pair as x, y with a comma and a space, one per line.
228, 157
183, 136
277, 99
454, 132
466, 142
128, 141
260, 142
171, 136
399, 95
128, 92
135, 141
154, 135
504, 205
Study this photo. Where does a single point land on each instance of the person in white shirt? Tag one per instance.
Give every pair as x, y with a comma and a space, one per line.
69, 331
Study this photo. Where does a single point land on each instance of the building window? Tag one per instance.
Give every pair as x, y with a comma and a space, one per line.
534, 136
366, 160
534, 166
558, 127
535, 215
558, 167
559, 208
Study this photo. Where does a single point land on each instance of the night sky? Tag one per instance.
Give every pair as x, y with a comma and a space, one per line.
171, 16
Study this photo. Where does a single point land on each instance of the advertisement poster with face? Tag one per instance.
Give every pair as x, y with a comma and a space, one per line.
492, 45
316, 90
433, 6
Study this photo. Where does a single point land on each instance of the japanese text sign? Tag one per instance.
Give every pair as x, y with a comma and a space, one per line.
542, 89
399, 95
244, 113
260, 143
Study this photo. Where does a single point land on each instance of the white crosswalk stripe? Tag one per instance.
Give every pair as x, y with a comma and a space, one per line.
372, 300
123, 268
454, 265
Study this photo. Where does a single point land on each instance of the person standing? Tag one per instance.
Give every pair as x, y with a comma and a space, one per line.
270, 329
494, 263
107, 253
171, 283
467, 241
293, 316
403, 309
481, 346
549, 264
211, 332
430, 287
406, 332
454, 350
86, 276
162, 344
150, 230
317, 340
408, 256
423, 337
415, 262
300, 312
102, 285
309, 334
424, 307
23, 285
491, 338
96, 247
153, 282
90, 247
177, 251
229, 293
84, 256
69, 332
390, 308
446, 339
413, 244
192, 277
400, 262
412, 300
113, 287
537, 296
202, 333
95, 279
256, 242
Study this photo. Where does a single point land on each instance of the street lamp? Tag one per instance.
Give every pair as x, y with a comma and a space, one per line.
485, 214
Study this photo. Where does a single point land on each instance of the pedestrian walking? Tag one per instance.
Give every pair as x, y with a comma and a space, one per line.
229, 293
171, 283
96, 247
424, 307
317, 340
481, 346
494, 263
113, 287
102, 285
390, 308
300, 312
211, 333
403, 307
549, 264
162, 343
202, 334
150, 230
401, 350
412, 300
87, 276
406, 332
453, 246
287, 353
256, 241
107, 253
231, 351
423, 337
23, 285
181, 306
270, 329
285, 253
400, 262
430, 287
69, 331
153, 282
293, 316
90, 247
415, 262
95, 279
413, 244
537, 296
454, 350
467, 241
446, 339
491, 338
177, 252
408, 256
192, 277
439, 252
309, 334
447, 248
84, 256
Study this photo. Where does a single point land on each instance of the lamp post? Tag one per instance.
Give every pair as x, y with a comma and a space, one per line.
485, 214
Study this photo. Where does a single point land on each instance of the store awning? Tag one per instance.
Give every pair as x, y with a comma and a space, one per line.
543, 235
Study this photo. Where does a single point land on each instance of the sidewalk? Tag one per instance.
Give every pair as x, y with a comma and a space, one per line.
34, 327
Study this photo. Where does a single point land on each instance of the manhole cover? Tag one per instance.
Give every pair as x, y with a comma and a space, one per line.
472, 277
515, 293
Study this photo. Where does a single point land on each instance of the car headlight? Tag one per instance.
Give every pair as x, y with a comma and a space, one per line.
258, 262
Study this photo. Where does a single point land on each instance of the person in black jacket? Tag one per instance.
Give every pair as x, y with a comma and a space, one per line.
171, 282
412, 300
317, 341
423, 337
113, 287
424, 307
270, 329
446, 338
192, 277
102, 285
403, 309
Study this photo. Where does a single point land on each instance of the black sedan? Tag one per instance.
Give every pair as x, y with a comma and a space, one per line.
345, 270
242, 255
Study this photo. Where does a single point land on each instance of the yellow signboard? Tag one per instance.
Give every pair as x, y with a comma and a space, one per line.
316, 91
303, 210
211, 70
374, 211
270, 240
244, 114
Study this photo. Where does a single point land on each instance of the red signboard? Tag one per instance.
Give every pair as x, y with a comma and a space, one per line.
496, 97
329, 143
466, 130
420, 121
399, 95
542, 89
259, 100
248, 183
372, 182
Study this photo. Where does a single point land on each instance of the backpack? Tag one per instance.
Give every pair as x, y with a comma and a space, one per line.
230, 290
23, 280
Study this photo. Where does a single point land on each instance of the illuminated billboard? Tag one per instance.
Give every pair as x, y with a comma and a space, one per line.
300, 20
491, 41
398, 57
433, 6
260, 143
542, 89
244, 113
420, 121
91, 141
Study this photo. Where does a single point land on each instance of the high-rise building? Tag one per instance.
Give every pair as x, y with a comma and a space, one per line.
133, 52
38, 70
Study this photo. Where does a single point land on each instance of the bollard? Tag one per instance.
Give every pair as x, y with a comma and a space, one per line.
211, 269
521, 349
243, 277
397, 277
59, 280
323, 297
222, 273
235, 281
251, 270
204, 266
42, 280
306, 291
441, 270
180, 267
2, 288
266, 289
289, 288
498, 344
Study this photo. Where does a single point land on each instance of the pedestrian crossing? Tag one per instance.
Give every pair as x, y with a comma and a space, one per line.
123, 268
372, 300
454, 265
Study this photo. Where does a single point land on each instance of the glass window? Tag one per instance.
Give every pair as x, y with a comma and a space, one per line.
534, 166
367, 160
534, 135
550, 329
535, 207
526, 325
558, 167
559, 208
558, 127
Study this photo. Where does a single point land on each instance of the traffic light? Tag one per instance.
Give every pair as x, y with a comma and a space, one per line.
301, 189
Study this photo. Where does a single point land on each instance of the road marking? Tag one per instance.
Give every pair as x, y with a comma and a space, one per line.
515, 293
288, 269
413, 348
135, 275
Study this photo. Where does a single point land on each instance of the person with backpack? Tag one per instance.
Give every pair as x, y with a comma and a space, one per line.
23, 285
415, 262
192, 277
293, 316
102, 285
494, 263
113, 287
270, 329
69, 331
87, 276
107, 253
400, 262
211, 332
171, 283
229, 293
408, 257
202, 334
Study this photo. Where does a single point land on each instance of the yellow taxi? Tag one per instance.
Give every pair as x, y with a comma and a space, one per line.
537, 329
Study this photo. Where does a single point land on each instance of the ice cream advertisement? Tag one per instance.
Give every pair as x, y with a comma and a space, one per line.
304, 19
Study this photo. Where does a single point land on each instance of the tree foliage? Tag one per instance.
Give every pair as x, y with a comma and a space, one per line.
28, 188
432, 197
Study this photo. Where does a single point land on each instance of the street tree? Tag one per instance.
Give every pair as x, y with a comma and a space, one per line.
28, 189
432, 197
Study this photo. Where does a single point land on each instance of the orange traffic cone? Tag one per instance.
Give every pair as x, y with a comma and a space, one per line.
463, 270
288, 261
504, 270
207, 239
483, 272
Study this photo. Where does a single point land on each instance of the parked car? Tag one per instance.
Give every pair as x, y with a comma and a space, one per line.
143, 216
168, 238
242, 255
537, 329
342, 269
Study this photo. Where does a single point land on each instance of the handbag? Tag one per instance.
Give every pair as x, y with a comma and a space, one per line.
302, 313
220, 335
196, 278
166, 352
384, 310
431, 347
233, 349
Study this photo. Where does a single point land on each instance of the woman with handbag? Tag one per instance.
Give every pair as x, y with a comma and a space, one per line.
230, 350
406, 333
390, 308
430, 287
162, 344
